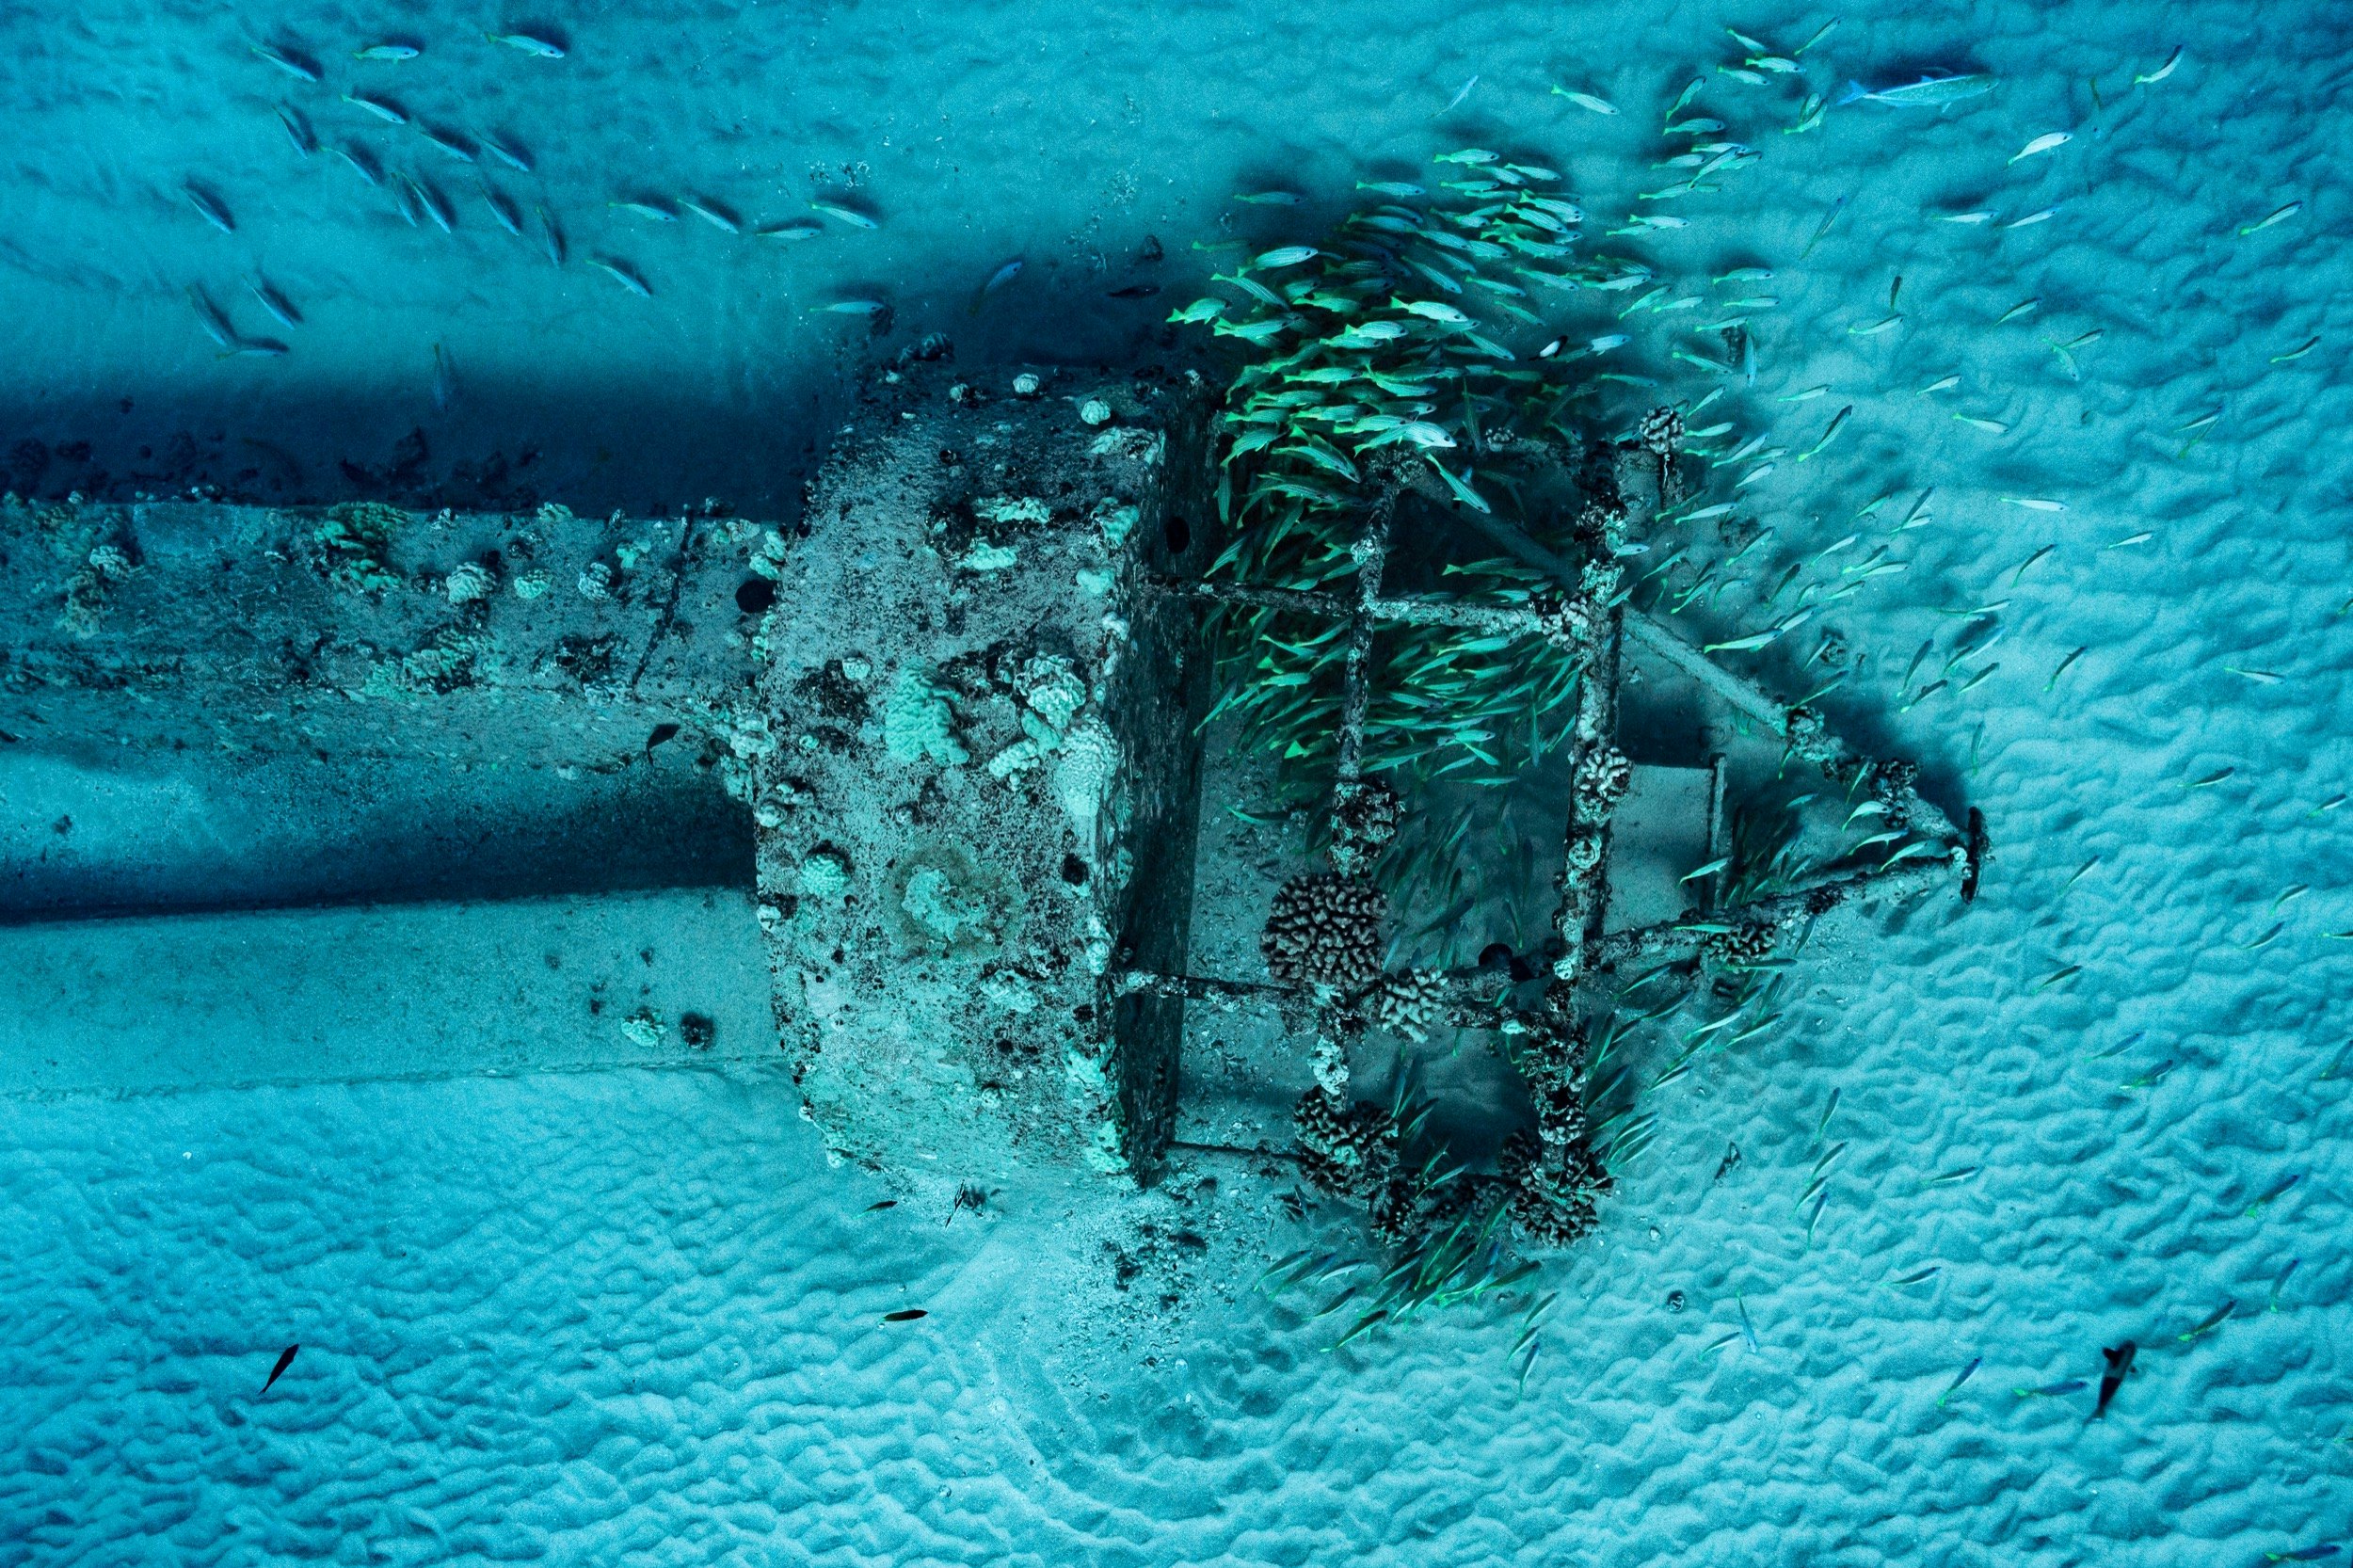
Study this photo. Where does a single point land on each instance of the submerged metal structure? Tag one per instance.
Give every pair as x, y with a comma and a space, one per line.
960, 700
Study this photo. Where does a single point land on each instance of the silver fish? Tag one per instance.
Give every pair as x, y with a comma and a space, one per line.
503, 209
718, 217
383, 108
437, 207
293, 64
363, 162
538, 47
513, 154
215, 324
794, 228
551, 237
277, 305
298, 130
209, 208
1928, 92
387, 51
623, 274
448, 141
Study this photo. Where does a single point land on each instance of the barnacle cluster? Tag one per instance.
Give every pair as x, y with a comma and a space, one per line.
1325, 931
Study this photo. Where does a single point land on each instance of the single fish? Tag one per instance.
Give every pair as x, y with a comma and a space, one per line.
718, 217
657, 210
285, 1359
1289, 255
1460, 93
551, 237
1748, 1329
2141, 538
1990, 427
877, 1207
387, 51
904, 1315
1919, 1276
448, 141
2281, 1284
996, 279
406, 198
1943, 384
436, 206
277, 305
793, 229
383, 108
1291, 198
1586, 100
854, 308
1948, 1177
850, 216
2214, 1319
210, 316
502, 208
1386, 187
623, 274
293, 64
2036, 503
2303, 1554
1928, 92
513, 154
2149, 79
1133, 291
2120, 1361
1742, 74
363, 162
539, 48
2294, 354
1967, 1373
2273, 1196
1207, 308
2053, 1390
1836, 421
306, 141
209, 207
2046, 142
444, 387
2031, 219
2025, 307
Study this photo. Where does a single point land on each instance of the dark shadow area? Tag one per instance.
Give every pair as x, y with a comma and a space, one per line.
189, 833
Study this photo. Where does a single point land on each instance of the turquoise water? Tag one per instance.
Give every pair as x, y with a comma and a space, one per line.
632, 1317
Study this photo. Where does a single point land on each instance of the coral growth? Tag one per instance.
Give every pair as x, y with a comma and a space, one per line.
1409, 1003
1364, 822
356, 535
1325, 931
918, 721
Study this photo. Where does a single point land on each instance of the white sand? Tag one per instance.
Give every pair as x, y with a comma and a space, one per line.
632, 1317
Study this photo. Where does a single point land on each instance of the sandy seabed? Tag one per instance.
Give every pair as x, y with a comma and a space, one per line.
632, 1317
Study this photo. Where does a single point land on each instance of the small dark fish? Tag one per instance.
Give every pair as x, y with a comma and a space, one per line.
513, 154
276, 304
255, 348
537, 47
285, 1359
2120, 1361
2273, 1195
509, 217
1730, 1162
662, 733
2052, 1390
444, 380
209, 208
2303, 1554
306, 141
448, 141
623, 274
383, 108
551, 237
293, 64
904, 1315
887, 1203
2212, 1320
387, 51
1136, 291
412, 205
1967, 1373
